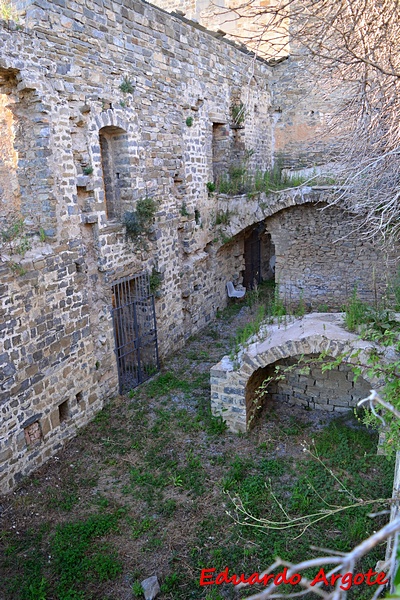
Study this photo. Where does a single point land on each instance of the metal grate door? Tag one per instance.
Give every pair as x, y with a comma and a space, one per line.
135, 331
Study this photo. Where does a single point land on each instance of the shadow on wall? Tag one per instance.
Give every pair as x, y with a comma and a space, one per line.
304, 384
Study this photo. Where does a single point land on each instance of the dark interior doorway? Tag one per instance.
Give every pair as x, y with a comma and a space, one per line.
259, 257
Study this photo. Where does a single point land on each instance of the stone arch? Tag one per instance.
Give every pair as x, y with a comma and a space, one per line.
114, 154
332, 390
231, 387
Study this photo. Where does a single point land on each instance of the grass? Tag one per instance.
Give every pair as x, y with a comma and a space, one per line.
239, 181
147, 486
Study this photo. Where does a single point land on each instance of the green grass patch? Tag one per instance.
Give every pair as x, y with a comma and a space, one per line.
166, 383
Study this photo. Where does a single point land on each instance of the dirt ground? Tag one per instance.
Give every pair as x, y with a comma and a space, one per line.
159, 459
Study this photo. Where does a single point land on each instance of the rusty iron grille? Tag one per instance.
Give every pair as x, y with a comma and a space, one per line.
135, 331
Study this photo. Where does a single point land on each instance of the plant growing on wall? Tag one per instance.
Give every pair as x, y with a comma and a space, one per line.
127, 86
238, 113
138, 222
183, 210
155, 281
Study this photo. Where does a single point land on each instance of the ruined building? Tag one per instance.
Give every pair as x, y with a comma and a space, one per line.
114, 117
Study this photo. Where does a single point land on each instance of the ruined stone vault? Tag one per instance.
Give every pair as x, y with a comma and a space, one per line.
109, 110
235, 381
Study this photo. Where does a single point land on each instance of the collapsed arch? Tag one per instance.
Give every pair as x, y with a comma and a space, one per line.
232, 389
331, 390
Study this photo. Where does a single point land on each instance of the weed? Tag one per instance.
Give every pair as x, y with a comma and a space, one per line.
189, 121
395, 289
223, 218
215, 425
211, 187
238, 113
138, 528
168, 508
171, 583
137, 589
165, 383
42, 234
138, 222
155, 282
88, 170
323, 308
176, 480
127, 86
248, 330
239, 181
301, 307
65, 501
17, 268
183, 210
76, 557
277, 308
356, 312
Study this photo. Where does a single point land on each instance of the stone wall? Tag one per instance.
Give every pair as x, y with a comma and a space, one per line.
333, 390
320, 260
103, 105
234, 381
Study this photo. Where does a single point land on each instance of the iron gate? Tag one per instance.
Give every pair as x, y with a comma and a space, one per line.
135, 331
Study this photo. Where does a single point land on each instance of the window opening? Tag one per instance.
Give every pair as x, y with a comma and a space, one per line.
33, 434
63, 411
117, 177
220, 150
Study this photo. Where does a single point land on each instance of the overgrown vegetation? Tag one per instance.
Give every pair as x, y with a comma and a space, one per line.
139, 222
109, 513
127, 86
155, 281
238, 113
239, 181
16, 239
380, 325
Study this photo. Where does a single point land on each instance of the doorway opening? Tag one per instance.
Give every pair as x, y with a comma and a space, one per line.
135, 331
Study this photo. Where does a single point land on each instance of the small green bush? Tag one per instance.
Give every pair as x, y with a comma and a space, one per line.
127, 86
138, 222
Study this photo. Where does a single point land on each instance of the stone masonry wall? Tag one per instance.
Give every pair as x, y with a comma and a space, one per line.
234, 381
119, 89
333, 390
320, 261
61, 78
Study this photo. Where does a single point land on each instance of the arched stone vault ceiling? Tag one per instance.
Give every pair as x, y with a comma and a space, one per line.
311, 335
245, 211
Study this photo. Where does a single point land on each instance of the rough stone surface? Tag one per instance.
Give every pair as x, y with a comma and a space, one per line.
233, 383
103, 104
151, 587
